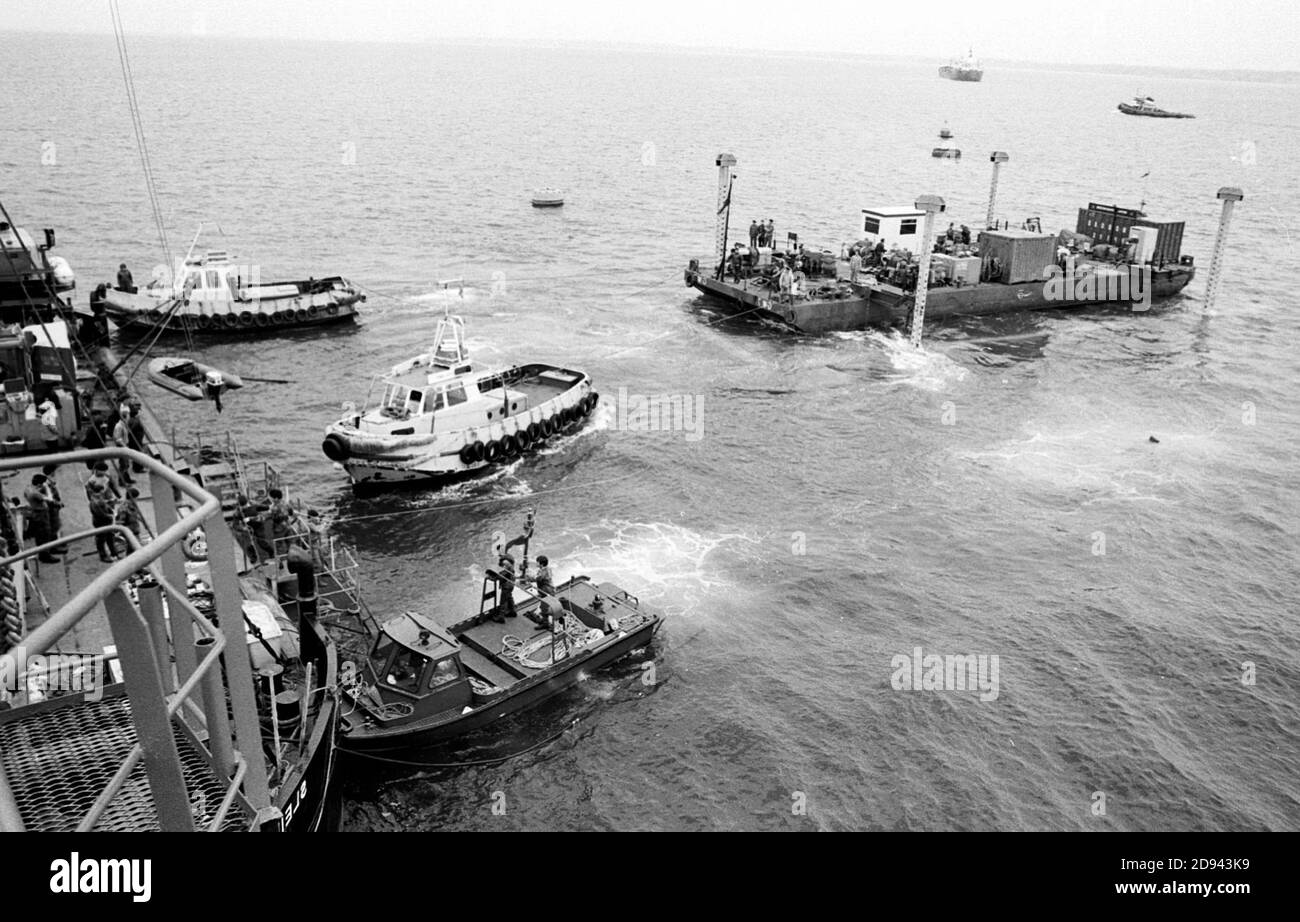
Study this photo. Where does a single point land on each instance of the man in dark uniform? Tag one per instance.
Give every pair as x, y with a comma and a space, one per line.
39, 502
124, 280
753, 234
505, 589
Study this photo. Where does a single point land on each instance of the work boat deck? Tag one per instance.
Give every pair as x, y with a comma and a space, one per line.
122, 704
439, 418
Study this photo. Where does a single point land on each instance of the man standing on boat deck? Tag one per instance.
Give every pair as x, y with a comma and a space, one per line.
505, 589
102, 510
544, 583
769, 233
56, 516
786, 281
39, 503
753, 234
124, 280
855, 266
122, 439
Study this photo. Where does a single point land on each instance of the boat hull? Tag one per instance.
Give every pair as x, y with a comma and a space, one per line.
140, 312
961, 74
1152, 113
357, 737
885, 307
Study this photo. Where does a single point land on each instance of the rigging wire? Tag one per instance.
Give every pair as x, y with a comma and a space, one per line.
146, 163
133, 103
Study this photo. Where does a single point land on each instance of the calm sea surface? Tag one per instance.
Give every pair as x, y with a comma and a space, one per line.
849, 500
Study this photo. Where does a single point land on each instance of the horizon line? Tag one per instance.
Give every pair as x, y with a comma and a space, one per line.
650, 46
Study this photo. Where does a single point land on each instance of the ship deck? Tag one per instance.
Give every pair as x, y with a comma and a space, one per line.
49, 586
58, 757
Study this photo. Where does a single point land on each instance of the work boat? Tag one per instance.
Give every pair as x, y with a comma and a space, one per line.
439, 418
422, 683
213, 294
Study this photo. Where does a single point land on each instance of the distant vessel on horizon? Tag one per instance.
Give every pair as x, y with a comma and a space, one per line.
966, 70
1145, 105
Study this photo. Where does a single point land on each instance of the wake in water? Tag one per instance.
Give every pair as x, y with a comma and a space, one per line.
678, 570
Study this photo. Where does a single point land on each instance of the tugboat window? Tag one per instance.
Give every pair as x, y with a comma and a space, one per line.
871, 226
406, 670
455, 394
907, 226
444, 671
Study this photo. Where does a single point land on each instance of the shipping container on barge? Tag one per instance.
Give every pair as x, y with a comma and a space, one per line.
1115, 256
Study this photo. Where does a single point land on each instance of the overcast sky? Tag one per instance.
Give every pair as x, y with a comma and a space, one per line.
1220, 34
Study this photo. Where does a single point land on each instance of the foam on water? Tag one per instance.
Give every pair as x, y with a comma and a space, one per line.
673, 567
919, 368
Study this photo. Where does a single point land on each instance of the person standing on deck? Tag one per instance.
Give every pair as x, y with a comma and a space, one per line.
505, 589
785, 282
56, 507
282, 517
855, 266
102, 509
122, 439
124, 280
135, 428
127, 514
104, 475
753, 234
38, 516
769, 232
544, 582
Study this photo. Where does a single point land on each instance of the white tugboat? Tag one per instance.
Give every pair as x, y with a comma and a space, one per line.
214, 294
438, 417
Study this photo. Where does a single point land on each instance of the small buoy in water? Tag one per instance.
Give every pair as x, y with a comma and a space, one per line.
1153, 439
548, 198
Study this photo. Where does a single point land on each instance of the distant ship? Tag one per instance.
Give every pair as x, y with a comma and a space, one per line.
967, 69
1145, 105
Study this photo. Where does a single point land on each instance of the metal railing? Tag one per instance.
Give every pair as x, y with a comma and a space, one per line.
164, 664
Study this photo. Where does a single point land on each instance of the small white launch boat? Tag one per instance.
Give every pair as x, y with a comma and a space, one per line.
438, 417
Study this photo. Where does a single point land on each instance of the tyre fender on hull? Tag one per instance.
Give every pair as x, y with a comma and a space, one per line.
335, 448
472, 453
